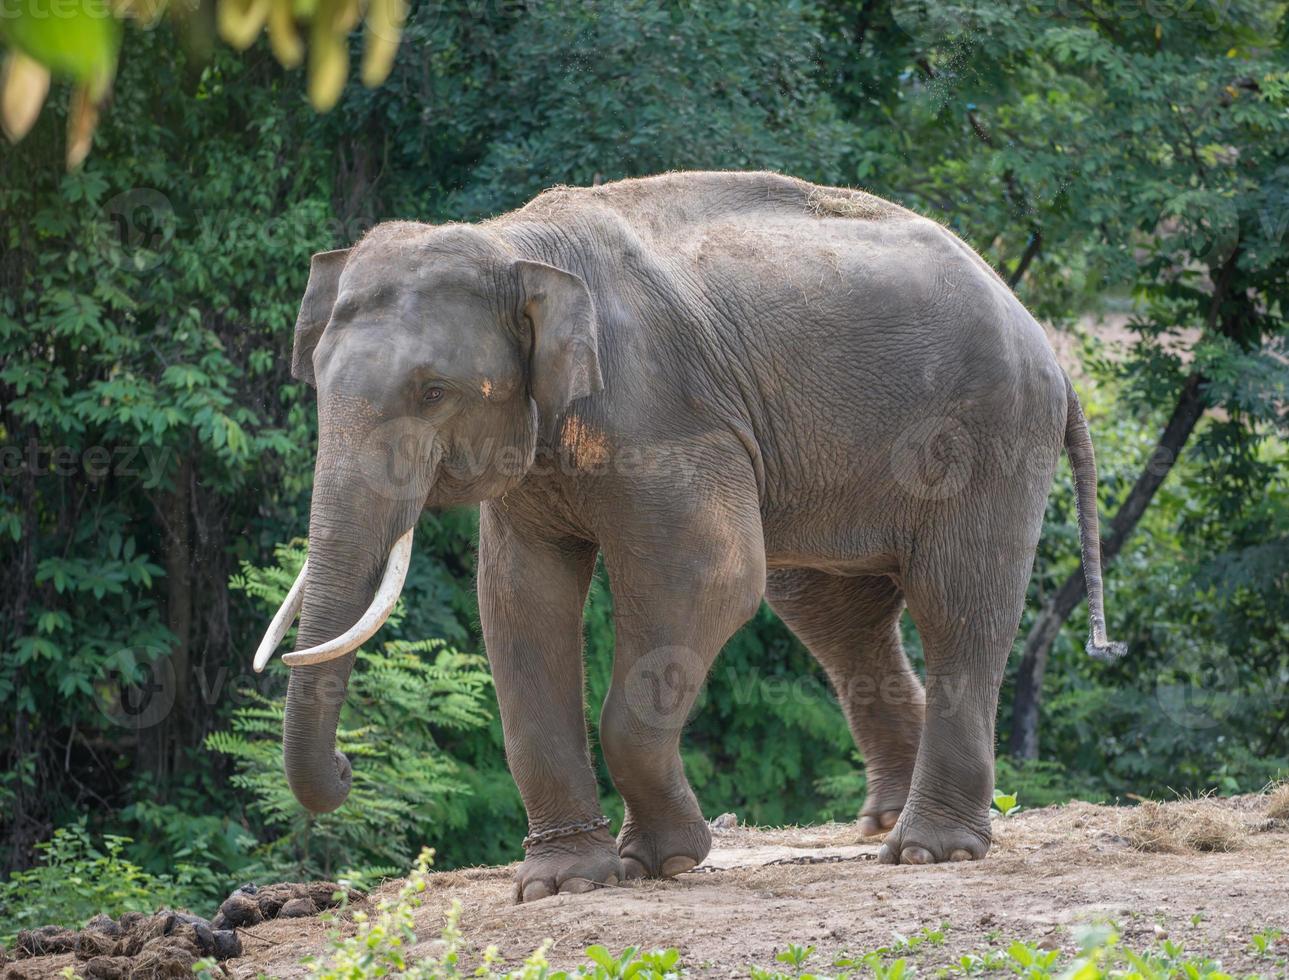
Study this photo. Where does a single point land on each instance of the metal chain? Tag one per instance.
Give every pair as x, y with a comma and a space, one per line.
568, 830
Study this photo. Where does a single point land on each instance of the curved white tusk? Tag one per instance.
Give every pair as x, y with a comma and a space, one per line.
282, 620
391, 586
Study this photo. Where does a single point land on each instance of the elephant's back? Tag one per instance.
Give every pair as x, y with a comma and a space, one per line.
686, 205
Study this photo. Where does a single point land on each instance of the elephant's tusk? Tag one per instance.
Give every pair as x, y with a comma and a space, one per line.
282, 620
391, 586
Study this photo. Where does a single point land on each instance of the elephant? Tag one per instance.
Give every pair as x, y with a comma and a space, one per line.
731, 386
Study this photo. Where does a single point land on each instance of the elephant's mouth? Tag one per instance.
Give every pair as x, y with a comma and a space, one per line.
382, 604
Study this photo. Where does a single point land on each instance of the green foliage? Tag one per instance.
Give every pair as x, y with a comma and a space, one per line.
75, 880
140, 339
1201, 605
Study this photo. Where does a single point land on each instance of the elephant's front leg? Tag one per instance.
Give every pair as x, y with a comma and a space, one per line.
683, 582
531, 594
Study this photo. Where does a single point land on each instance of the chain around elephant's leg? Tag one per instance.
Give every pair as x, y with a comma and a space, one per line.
536, 657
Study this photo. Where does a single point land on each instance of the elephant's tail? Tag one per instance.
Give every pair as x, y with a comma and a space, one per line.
1078, 446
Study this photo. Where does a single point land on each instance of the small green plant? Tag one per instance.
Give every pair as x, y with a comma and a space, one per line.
77, 879
796, 956
1006, 803
630, 963
1262, 942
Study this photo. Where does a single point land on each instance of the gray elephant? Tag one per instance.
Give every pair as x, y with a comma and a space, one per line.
731, 386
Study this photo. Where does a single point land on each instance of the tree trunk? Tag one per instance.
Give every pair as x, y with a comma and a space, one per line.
179, 609
1057, 609
162, 743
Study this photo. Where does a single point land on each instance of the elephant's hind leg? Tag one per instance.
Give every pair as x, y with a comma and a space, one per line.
965, 590
852, 627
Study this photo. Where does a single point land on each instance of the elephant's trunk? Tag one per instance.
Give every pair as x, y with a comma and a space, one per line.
349, 555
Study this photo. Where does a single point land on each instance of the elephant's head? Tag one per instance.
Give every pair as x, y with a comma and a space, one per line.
440, 358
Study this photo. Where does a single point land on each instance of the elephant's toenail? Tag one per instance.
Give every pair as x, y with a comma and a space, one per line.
889, 819
887, 855
677, 865
535, 890
916, 855
631, 868
869, 826
960, 855
576, 886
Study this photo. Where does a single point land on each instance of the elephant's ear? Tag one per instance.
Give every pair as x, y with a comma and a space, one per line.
564, 361
315, 310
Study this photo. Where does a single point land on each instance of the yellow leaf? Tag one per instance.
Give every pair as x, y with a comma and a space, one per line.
240, 21
380, 39
146, 12
283, 37
329, 51
328, 67
82, 118
26, 83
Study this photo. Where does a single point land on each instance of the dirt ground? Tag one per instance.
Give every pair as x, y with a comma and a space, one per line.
1049, 871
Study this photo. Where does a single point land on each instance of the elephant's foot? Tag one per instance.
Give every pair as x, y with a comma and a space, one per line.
663, 852
874, 820
884, 802
569, 865
927, 836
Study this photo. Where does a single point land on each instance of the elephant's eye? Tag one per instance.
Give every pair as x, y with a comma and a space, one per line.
432, 394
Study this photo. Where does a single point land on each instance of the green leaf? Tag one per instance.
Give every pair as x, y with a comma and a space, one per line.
80, 41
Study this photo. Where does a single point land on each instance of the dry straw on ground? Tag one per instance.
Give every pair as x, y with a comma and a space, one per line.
1181, 826
1278, 801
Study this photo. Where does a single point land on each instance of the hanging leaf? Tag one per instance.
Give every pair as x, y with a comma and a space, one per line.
283, 37
26, 83
380, 39
82, 118
329, 51
240, 21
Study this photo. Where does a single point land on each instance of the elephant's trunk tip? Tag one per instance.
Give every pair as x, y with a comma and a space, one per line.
322, 795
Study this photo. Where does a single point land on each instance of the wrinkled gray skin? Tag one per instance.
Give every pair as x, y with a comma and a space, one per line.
731, 386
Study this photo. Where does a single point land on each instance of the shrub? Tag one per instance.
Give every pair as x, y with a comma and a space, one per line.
76, 880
